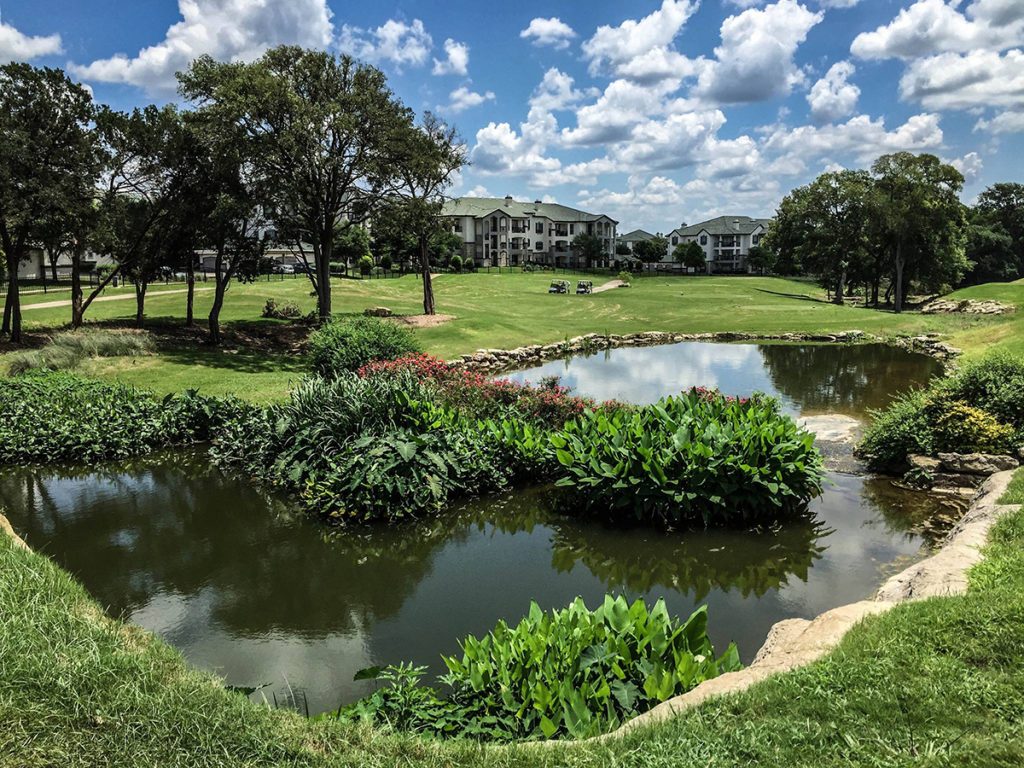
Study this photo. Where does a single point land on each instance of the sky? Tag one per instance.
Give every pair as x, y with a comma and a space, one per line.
653, 112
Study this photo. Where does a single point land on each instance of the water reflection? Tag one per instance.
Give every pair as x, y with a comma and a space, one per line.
807, 378
246, 586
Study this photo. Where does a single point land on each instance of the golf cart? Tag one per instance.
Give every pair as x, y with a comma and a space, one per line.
559, 286
584, 287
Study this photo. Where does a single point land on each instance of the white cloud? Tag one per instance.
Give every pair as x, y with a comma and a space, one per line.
833, 96
226, 29
499, 149
755, 59
395, 42
969, 165
462, 98
478, 191
457, 61
623, 105
1011, 121
861, 137
640, 48
932, 26
553, 32
17, 46
677, 141
976, 79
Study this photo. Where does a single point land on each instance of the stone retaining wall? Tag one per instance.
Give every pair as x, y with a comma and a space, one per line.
498, 360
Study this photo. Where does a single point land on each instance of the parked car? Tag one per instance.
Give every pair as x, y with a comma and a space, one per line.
559, 286
584, 287
283, 269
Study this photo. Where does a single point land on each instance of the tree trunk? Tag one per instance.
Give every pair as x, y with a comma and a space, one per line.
76, 289
219, 287
190, 279
54, 256
899, 277
323, 276
428, 285
840, 288
140, 302
12, 307
874, 291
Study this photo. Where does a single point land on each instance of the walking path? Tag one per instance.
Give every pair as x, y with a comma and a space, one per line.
119, 297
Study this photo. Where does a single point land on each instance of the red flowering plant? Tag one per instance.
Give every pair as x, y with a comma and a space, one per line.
548, 403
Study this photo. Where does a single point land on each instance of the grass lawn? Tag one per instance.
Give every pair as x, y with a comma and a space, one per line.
939, 682
509, 310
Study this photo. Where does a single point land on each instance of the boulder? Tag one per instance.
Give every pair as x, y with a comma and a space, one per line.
378, 312
926, 463
982, 464
953, 480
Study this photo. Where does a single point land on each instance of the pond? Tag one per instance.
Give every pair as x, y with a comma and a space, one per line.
248, 587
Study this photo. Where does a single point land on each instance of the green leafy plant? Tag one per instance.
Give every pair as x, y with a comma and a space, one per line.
572, 672
348, 344
66, 351
699, 458
281, 310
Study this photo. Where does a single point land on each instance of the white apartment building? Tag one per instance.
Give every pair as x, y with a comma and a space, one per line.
503, 232
726, 240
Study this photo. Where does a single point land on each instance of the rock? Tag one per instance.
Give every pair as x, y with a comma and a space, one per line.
983, 464
966, 306
926, 463
378, 312
831, 427
954, 480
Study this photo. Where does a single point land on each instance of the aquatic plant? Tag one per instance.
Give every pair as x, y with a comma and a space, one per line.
572, 672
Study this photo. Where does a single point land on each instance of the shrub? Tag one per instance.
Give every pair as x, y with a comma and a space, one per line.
625, 277
350, 343
66, 351
50, 417
385, 262
696, 458
571, 672
456, 263
285, 310
977, 408
365, 264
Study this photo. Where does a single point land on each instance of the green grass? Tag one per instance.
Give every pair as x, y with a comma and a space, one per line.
1015, 492
511, 310
933, 683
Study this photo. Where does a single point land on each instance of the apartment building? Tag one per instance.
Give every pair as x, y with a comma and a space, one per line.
726, 241
503, 232
630, 239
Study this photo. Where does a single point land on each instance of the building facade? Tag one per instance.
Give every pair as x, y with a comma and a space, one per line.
726, 241
503, 232
630, 239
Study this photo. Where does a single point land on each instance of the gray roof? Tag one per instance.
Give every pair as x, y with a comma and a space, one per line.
636, 235
725, 225
479, 207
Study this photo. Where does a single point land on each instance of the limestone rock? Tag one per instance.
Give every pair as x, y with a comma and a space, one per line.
378, 312
977, 463
926, 463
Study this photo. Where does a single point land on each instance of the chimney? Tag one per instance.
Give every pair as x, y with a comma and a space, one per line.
538, 202
736, 224
508, 200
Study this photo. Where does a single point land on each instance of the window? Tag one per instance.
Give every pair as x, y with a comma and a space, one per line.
540, 246
539, 229
572, 229
757, 239
675, 240
703, 239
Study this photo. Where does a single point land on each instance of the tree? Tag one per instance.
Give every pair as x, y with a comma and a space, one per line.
991, 253
650, 251
47, 165
622, 250
587, 247
690, 255
921, 219
1000, 208
426, 158
321, 126
351, 244
760, 258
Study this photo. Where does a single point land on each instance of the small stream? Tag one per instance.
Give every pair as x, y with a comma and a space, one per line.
247, 586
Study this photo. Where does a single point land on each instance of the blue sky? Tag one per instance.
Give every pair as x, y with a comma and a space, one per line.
654, 111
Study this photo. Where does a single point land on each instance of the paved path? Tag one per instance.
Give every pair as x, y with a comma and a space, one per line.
608, 286
119, 297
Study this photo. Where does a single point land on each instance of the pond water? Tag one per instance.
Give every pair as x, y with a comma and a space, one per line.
248, 587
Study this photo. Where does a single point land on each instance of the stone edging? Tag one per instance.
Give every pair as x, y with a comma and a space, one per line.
498, 360
798, 642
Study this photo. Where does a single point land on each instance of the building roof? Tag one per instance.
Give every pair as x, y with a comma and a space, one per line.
725, 225
479, 207
636, 235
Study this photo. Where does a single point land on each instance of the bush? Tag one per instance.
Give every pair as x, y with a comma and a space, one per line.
350, 343
365, 264
66, 351
456, 263
625, 277
285, 310
385, 262
977, 408
696, 458
572, 672
50, 417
